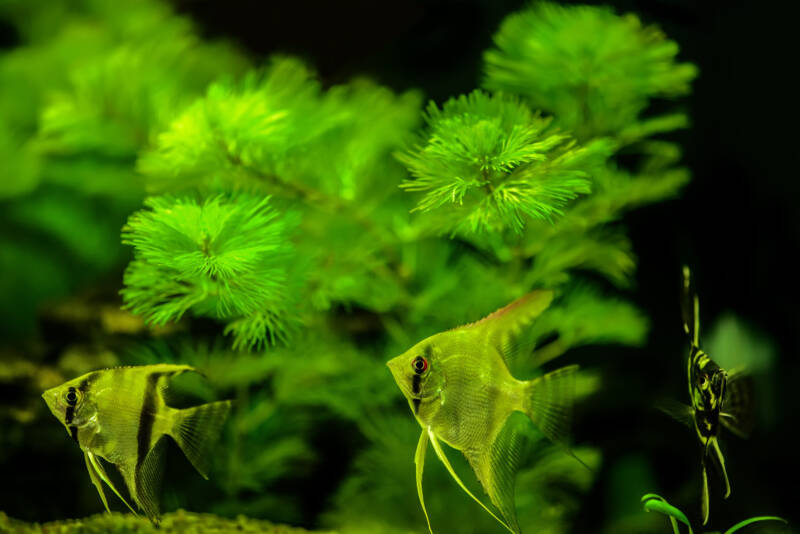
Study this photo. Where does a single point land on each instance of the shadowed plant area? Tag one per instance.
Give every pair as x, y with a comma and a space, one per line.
184, 222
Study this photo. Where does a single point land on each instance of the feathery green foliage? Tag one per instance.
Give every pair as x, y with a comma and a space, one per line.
495, 163
79, 97
593, 70
223, 257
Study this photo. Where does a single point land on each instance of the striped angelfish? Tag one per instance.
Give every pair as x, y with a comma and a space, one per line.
119, 415
717, 397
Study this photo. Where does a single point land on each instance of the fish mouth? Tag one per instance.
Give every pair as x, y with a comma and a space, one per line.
395, 367
51, 399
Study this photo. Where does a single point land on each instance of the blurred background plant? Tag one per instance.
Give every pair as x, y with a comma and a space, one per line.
167, 197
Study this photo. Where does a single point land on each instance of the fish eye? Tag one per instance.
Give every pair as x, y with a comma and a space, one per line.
420, 365
72, 396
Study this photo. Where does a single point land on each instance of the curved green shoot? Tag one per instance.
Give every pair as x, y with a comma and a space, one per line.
657, 503
742, 524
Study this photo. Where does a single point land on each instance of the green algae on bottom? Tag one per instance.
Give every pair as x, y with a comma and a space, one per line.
179, 521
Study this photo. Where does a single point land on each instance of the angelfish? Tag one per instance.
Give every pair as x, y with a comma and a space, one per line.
717, 397
119, 415
459, 388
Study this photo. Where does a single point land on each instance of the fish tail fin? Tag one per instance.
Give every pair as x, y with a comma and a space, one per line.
548, 402
197, 429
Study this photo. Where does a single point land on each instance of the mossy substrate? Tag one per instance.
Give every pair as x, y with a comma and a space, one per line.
119, 523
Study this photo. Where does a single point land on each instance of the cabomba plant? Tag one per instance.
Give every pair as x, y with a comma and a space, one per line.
298, 234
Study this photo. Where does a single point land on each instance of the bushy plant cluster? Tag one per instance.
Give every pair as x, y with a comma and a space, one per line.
297, 235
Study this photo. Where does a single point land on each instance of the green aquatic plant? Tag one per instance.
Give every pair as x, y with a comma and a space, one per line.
592, 69
496, 164
224, 257
656, 503
324, 228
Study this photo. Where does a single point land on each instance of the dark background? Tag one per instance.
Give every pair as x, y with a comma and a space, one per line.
737, 223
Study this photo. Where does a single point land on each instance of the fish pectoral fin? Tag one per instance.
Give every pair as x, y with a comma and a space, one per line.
147, 480
419, 462
496, 466
682, 413
101, 472
440, 453
96, 480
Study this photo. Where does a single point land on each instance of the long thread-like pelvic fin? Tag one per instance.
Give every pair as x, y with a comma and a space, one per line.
96, 480
704, 495
720, 460
440, 453
101, 472
419, 462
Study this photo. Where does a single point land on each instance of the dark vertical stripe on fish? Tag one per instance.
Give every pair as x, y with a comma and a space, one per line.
69, 414
86, 382
73, 431
146, 419
416, 382
416, 405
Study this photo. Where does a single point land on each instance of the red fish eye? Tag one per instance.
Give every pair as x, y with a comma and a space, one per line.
420, 365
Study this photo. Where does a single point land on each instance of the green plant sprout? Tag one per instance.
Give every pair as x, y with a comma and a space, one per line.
656, 503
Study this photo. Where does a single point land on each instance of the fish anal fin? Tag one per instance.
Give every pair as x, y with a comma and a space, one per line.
496, 466
419, 462
148, 480
101, 472
443, 458
196, 430
96, 480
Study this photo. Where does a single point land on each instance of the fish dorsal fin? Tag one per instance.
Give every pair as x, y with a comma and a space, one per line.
148, 480
419, 462
196, 430
505, 327
96, 480
690, 308
737, 407
440, 453
496, 466
101, 473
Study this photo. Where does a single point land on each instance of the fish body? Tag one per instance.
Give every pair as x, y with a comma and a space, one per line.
718, 397
120, 415
461, 391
